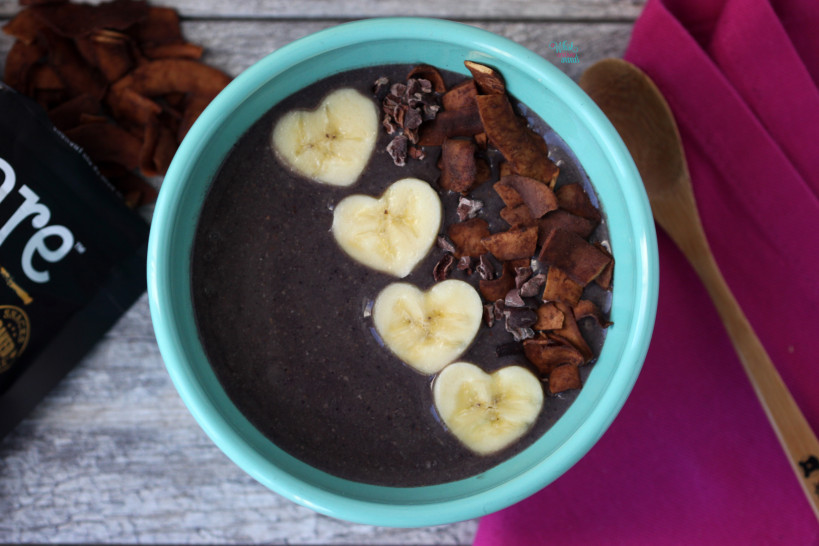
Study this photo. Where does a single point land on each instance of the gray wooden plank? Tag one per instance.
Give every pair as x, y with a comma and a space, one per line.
113, 456
355, 9
234, 45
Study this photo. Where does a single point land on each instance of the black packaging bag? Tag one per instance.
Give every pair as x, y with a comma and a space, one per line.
72, 256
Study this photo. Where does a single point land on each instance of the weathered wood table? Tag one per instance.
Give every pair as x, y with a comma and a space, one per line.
112, 455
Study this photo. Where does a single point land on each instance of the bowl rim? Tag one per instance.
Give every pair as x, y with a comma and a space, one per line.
324, 500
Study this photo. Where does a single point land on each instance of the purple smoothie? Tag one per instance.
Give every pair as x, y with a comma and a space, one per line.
281, 312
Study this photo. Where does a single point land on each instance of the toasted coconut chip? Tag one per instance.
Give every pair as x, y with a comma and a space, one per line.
488, 80
194, 106
559, 287
19, 62
182, 50
43, 76
461, 97
164, 76
78, 75
573, 198
571, 332
86, 49
496, 289
546, 355
158, 149
604, 278
467, 237
114, 57
128, 105
428, 72
91, 118
587, 308
159, 27
458, 168
518, 145
448, 124
563, 378
564, 220
48, 98
105, 142
72, 112
508, 194
581, 260
24, 27
512, 244
536, 195
549, 317
75, 20
517, 216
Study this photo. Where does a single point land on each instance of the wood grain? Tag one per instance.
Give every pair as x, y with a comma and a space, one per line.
112, 455
517, 10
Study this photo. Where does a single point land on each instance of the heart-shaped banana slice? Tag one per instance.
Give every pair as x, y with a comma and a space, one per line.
392, 233
428, 330
331, 144
487, 412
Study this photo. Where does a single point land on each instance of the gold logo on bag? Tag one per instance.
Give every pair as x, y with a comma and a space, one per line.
14, 334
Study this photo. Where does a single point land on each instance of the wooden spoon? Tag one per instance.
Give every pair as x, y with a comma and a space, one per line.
640, 114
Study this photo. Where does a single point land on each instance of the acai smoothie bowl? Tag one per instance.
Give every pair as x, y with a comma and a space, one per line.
403, 272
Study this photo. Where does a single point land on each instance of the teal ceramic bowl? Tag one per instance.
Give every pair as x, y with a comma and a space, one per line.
556, 99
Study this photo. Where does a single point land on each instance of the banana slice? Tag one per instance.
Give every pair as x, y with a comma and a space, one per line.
428, 330
487, 412
393, 233
331, 144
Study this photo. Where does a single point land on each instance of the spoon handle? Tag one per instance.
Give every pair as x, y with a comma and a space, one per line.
792, 429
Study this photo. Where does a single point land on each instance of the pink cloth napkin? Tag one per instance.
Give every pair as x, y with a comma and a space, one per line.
691, 458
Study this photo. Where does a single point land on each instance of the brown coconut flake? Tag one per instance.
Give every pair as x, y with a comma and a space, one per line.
512, 244
581, 260
458, 168
563, 378
467, 237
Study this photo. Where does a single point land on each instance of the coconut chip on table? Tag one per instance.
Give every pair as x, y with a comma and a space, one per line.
117, 78
546, 257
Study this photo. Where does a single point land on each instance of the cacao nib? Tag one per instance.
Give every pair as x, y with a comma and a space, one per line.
521, 317
532, 287
485, 269
444, 244
397, 148
443, 267
468, 208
